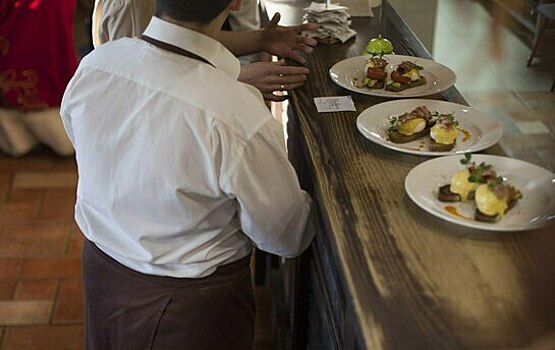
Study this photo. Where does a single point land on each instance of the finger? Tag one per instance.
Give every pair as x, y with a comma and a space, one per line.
289, 80
275, 98
280, 63
295, 56
282, 79
303, 44
305, 49
275, 20
291, 70
304, 40
305, 26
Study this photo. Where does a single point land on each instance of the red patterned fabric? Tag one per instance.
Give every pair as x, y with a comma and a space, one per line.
37, 56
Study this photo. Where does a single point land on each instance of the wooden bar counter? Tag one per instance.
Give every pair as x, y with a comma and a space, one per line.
382, 273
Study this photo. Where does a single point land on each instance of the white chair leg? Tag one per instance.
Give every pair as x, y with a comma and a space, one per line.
15, 139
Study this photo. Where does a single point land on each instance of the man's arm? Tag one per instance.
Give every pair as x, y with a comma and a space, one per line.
275, 213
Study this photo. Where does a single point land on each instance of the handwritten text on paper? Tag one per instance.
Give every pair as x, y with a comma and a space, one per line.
334, 104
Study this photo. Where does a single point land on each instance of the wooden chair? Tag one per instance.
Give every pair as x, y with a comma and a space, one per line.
546, 14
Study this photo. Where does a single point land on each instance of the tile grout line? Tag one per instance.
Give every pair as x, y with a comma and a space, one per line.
17, 277
54, 302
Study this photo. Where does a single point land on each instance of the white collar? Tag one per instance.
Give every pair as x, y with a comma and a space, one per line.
199, 44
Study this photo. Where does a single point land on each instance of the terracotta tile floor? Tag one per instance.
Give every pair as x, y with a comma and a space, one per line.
40, 265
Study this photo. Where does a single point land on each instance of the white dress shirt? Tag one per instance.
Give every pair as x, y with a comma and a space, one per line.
181, 167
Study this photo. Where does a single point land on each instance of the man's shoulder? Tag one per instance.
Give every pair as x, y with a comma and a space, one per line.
110, 53
232, 104
194, 85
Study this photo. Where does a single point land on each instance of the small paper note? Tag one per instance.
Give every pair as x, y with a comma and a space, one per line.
334, 104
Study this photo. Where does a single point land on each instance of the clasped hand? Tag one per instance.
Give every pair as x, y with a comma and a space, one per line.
269, 77
288, 42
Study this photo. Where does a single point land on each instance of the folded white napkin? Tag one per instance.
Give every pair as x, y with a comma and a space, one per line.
333, 20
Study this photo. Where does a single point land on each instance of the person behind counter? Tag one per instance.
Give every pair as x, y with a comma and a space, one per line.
35, 66
178, 180
112, 20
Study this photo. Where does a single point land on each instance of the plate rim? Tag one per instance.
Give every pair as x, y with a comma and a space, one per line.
475, 224
497, 137
390, 94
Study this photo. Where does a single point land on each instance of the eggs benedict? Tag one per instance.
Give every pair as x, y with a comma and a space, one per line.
463, 184
494, 199
444, 133
492, 195
410, 126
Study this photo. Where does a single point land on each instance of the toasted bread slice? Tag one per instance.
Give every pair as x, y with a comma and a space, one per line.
441, 147
397, 137
379, 85
445, 194
419, 82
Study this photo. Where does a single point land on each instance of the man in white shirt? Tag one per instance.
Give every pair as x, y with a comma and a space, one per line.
178, 180
114, 19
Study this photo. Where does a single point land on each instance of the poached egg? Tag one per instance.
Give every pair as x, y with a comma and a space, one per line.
461, 186
489, 203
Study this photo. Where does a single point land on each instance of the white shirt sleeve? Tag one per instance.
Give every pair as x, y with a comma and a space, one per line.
246, 18
273, 210
115, 19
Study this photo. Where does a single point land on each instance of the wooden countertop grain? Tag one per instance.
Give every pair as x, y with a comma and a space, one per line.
414, 281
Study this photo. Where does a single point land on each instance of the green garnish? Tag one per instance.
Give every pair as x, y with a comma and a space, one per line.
477, 174
369, 82
476, 171
392, 123
451, 117
467, 157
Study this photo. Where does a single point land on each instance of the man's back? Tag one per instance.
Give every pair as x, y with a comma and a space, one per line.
176, 158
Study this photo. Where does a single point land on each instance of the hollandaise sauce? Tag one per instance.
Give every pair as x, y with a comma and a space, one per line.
461, 185
488, 203
413, 74
443, 135
411, 126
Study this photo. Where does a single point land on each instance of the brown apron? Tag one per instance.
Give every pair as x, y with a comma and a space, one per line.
125, 309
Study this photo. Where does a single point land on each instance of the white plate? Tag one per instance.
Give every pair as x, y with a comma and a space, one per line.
477, 131
438, 76
536, 208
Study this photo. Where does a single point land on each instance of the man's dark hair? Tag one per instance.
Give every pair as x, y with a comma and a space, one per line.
202, 11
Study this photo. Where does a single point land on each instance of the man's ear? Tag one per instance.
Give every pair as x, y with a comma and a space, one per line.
235, 5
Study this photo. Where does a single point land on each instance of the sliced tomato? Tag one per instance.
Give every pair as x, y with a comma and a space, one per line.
375, 74
396, 76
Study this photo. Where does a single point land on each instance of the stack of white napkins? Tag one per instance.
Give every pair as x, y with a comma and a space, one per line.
334, 21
